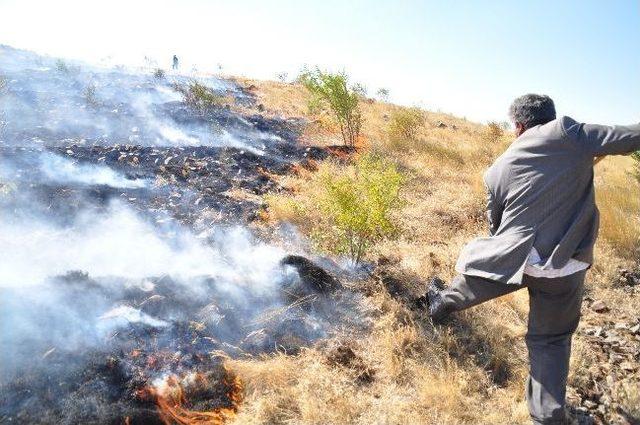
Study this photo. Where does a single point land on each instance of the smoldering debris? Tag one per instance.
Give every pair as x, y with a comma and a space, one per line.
127, 273
80, 335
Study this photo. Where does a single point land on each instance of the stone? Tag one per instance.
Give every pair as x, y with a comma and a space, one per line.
628, 366
615, 358
613, 340
595, 331
599, 306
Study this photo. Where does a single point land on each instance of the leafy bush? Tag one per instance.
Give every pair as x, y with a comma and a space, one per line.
358, 204
405, 124
636, 157
200, 97
331, 90
159, 73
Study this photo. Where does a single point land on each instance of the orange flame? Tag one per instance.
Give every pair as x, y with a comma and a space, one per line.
171, 402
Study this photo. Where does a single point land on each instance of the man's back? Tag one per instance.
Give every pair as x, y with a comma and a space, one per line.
541, 195
544, 182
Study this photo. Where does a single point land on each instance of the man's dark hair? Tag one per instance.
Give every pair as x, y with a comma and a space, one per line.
532, 109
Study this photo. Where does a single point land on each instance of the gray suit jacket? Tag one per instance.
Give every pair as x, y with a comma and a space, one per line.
540, 194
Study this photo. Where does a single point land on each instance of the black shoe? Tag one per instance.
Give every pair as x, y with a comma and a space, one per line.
433, 301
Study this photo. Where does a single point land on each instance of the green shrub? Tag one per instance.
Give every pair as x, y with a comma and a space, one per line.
629, 396
492, 142
331, 90
405, 124
6, 188
200, 97
358, 204
636, 171
443, 153
493, 133
89, 95
62, 66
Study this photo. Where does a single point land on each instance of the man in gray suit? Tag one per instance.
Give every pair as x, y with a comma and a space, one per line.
543, 224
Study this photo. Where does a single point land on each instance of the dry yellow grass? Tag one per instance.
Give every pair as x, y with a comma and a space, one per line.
619, 204
470, 373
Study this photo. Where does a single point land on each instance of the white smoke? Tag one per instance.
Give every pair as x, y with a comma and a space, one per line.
119, 251
120, 243
103, 105
62, 170
125, 314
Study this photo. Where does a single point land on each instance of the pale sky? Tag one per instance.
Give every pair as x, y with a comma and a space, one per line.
470, 58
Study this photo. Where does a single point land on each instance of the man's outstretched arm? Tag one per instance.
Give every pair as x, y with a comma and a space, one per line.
601, 140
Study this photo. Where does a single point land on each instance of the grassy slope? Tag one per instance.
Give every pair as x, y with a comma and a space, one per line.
469, 372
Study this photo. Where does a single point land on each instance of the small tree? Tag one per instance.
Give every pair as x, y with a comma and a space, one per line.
360, 90
383, 94
331, 90
359, 203
636, 157
405, 124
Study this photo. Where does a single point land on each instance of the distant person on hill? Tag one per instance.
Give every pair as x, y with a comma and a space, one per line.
543, 223
175, 62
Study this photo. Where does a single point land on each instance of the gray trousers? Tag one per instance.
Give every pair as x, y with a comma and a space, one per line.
554, 313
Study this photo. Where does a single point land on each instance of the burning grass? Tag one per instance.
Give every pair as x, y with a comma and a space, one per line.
175, 398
